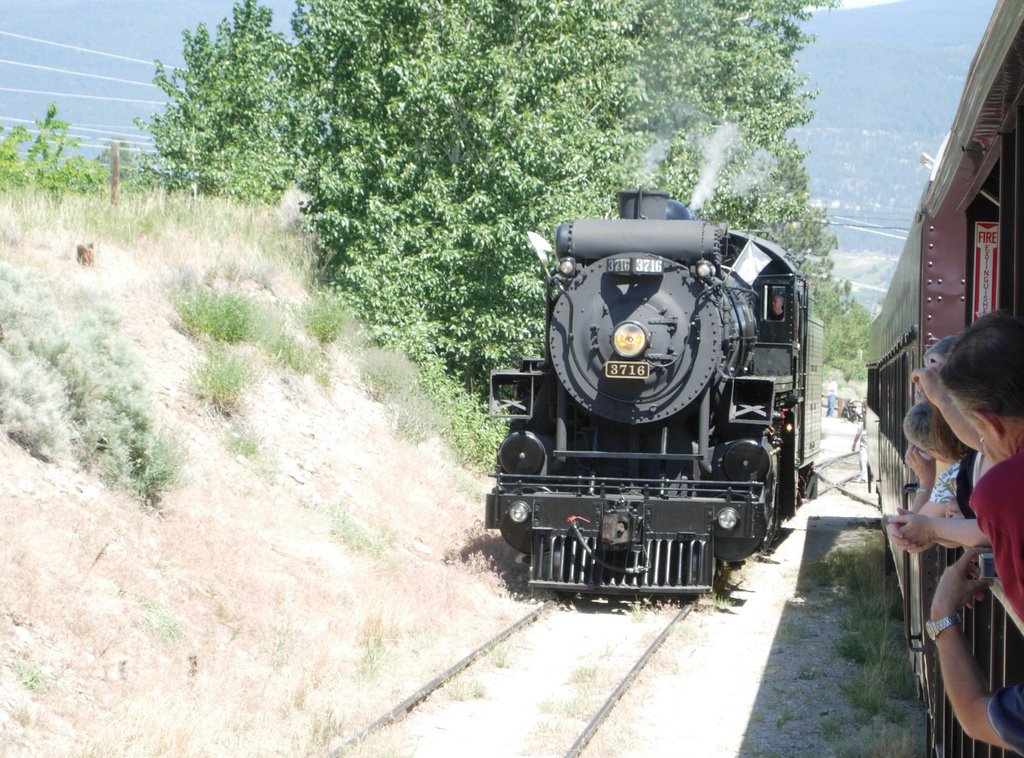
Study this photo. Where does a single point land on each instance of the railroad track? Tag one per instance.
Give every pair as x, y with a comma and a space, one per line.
558, 641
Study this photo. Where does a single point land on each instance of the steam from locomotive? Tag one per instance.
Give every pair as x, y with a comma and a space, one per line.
668, 427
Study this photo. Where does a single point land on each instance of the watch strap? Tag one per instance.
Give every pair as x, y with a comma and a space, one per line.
936, 627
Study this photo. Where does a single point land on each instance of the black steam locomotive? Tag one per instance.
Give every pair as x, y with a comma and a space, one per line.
674, 418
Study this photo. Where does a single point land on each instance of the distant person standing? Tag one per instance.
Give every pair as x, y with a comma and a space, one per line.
860, 443
831, 389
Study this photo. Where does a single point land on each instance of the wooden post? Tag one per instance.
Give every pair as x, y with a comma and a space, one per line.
115, 172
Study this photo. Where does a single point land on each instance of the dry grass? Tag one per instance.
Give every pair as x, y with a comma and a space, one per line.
238, 621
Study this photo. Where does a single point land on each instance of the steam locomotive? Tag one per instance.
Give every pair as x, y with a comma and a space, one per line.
673, 421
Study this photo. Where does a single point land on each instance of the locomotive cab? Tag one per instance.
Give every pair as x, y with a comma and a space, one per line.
651, 440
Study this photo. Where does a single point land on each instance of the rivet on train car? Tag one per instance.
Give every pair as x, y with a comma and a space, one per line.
931, 228
931, 245
929, 317
939, 298
962, 299
929, 300
929, 281
963, 282
931, 263
940, 281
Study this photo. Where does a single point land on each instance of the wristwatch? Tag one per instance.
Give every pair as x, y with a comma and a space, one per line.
938, 626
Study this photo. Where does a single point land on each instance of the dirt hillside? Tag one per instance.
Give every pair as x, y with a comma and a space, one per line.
271, 601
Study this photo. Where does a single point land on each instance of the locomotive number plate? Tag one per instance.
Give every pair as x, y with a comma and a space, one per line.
627, 369
636, 266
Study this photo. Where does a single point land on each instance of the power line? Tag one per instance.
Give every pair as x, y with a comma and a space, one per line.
870, 226
86, 97
132, 149
89, 136
113, 126
76, 127
869, 230
78, 73
80, 49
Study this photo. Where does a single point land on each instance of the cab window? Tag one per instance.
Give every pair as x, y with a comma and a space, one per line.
775, 303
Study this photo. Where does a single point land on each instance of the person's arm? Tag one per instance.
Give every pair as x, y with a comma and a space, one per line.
930, 383
924, 531
966, 688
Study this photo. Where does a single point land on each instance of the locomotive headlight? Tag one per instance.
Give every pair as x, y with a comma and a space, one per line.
703, 269
567, 266
629, 339
519, 511
728, 518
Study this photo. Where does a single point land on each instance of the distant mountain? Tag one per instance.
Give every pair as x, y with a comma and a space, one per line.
890, 79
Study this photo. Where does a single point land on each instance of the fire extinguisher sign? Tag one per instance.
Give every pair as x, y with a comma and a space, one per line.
986, 267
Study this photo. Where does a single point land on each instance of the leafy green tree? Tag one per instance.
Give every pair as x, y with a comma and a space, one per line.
48, 159
227, 127
432, 135
440, 133
14, 169
732, 67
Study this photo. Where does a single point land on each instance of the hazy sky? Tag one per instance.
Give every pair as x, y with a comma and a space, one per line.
862, 3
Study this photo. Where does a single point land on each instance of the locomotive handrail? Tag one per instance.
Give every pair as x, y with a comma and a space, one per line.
633, 456
555, 485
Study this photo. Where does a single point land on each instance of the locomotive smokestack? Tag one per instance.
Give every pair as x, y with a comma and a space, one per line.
643, 204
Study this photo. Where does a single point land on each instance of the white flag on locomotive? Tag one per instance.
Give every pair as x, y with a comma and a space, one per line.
750, 263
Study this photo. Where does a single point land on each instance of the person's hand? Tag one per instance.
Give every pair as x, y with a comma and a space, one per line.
914, 530
953, 509
959, 585
898, 541
901, 541
927, 380
921, 465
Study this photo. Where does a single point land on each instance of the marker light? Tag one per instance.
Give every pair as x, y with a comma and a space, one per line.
629, 339
566, 266
728, 518
519, 511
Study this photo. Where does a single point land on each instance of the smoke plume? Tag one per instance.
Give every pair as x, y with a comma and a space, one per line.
716, 149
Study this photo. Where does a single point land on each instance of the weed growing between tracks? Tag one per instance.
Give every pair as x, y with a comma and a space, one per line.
881, 688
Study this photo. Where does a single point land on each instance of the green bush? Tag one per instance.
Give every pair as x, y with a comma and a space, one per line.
224, 316
223, 377
32, 404
104, 407
326, 318
393, 379
355, 534
287, 350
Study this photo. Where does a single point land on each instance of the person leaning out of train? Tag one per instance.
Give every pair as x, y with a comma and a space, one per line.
993, 402
924, 454
996, 718
927, 382
935, 515
934, 357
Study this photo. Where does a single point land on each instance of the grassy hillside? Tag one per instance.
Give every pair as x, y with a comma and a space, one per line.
308, 560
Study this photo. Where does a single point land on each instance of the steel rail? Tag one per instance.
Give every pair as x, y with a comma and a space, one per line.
401, 710
839, 486
834, 459
595, 723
